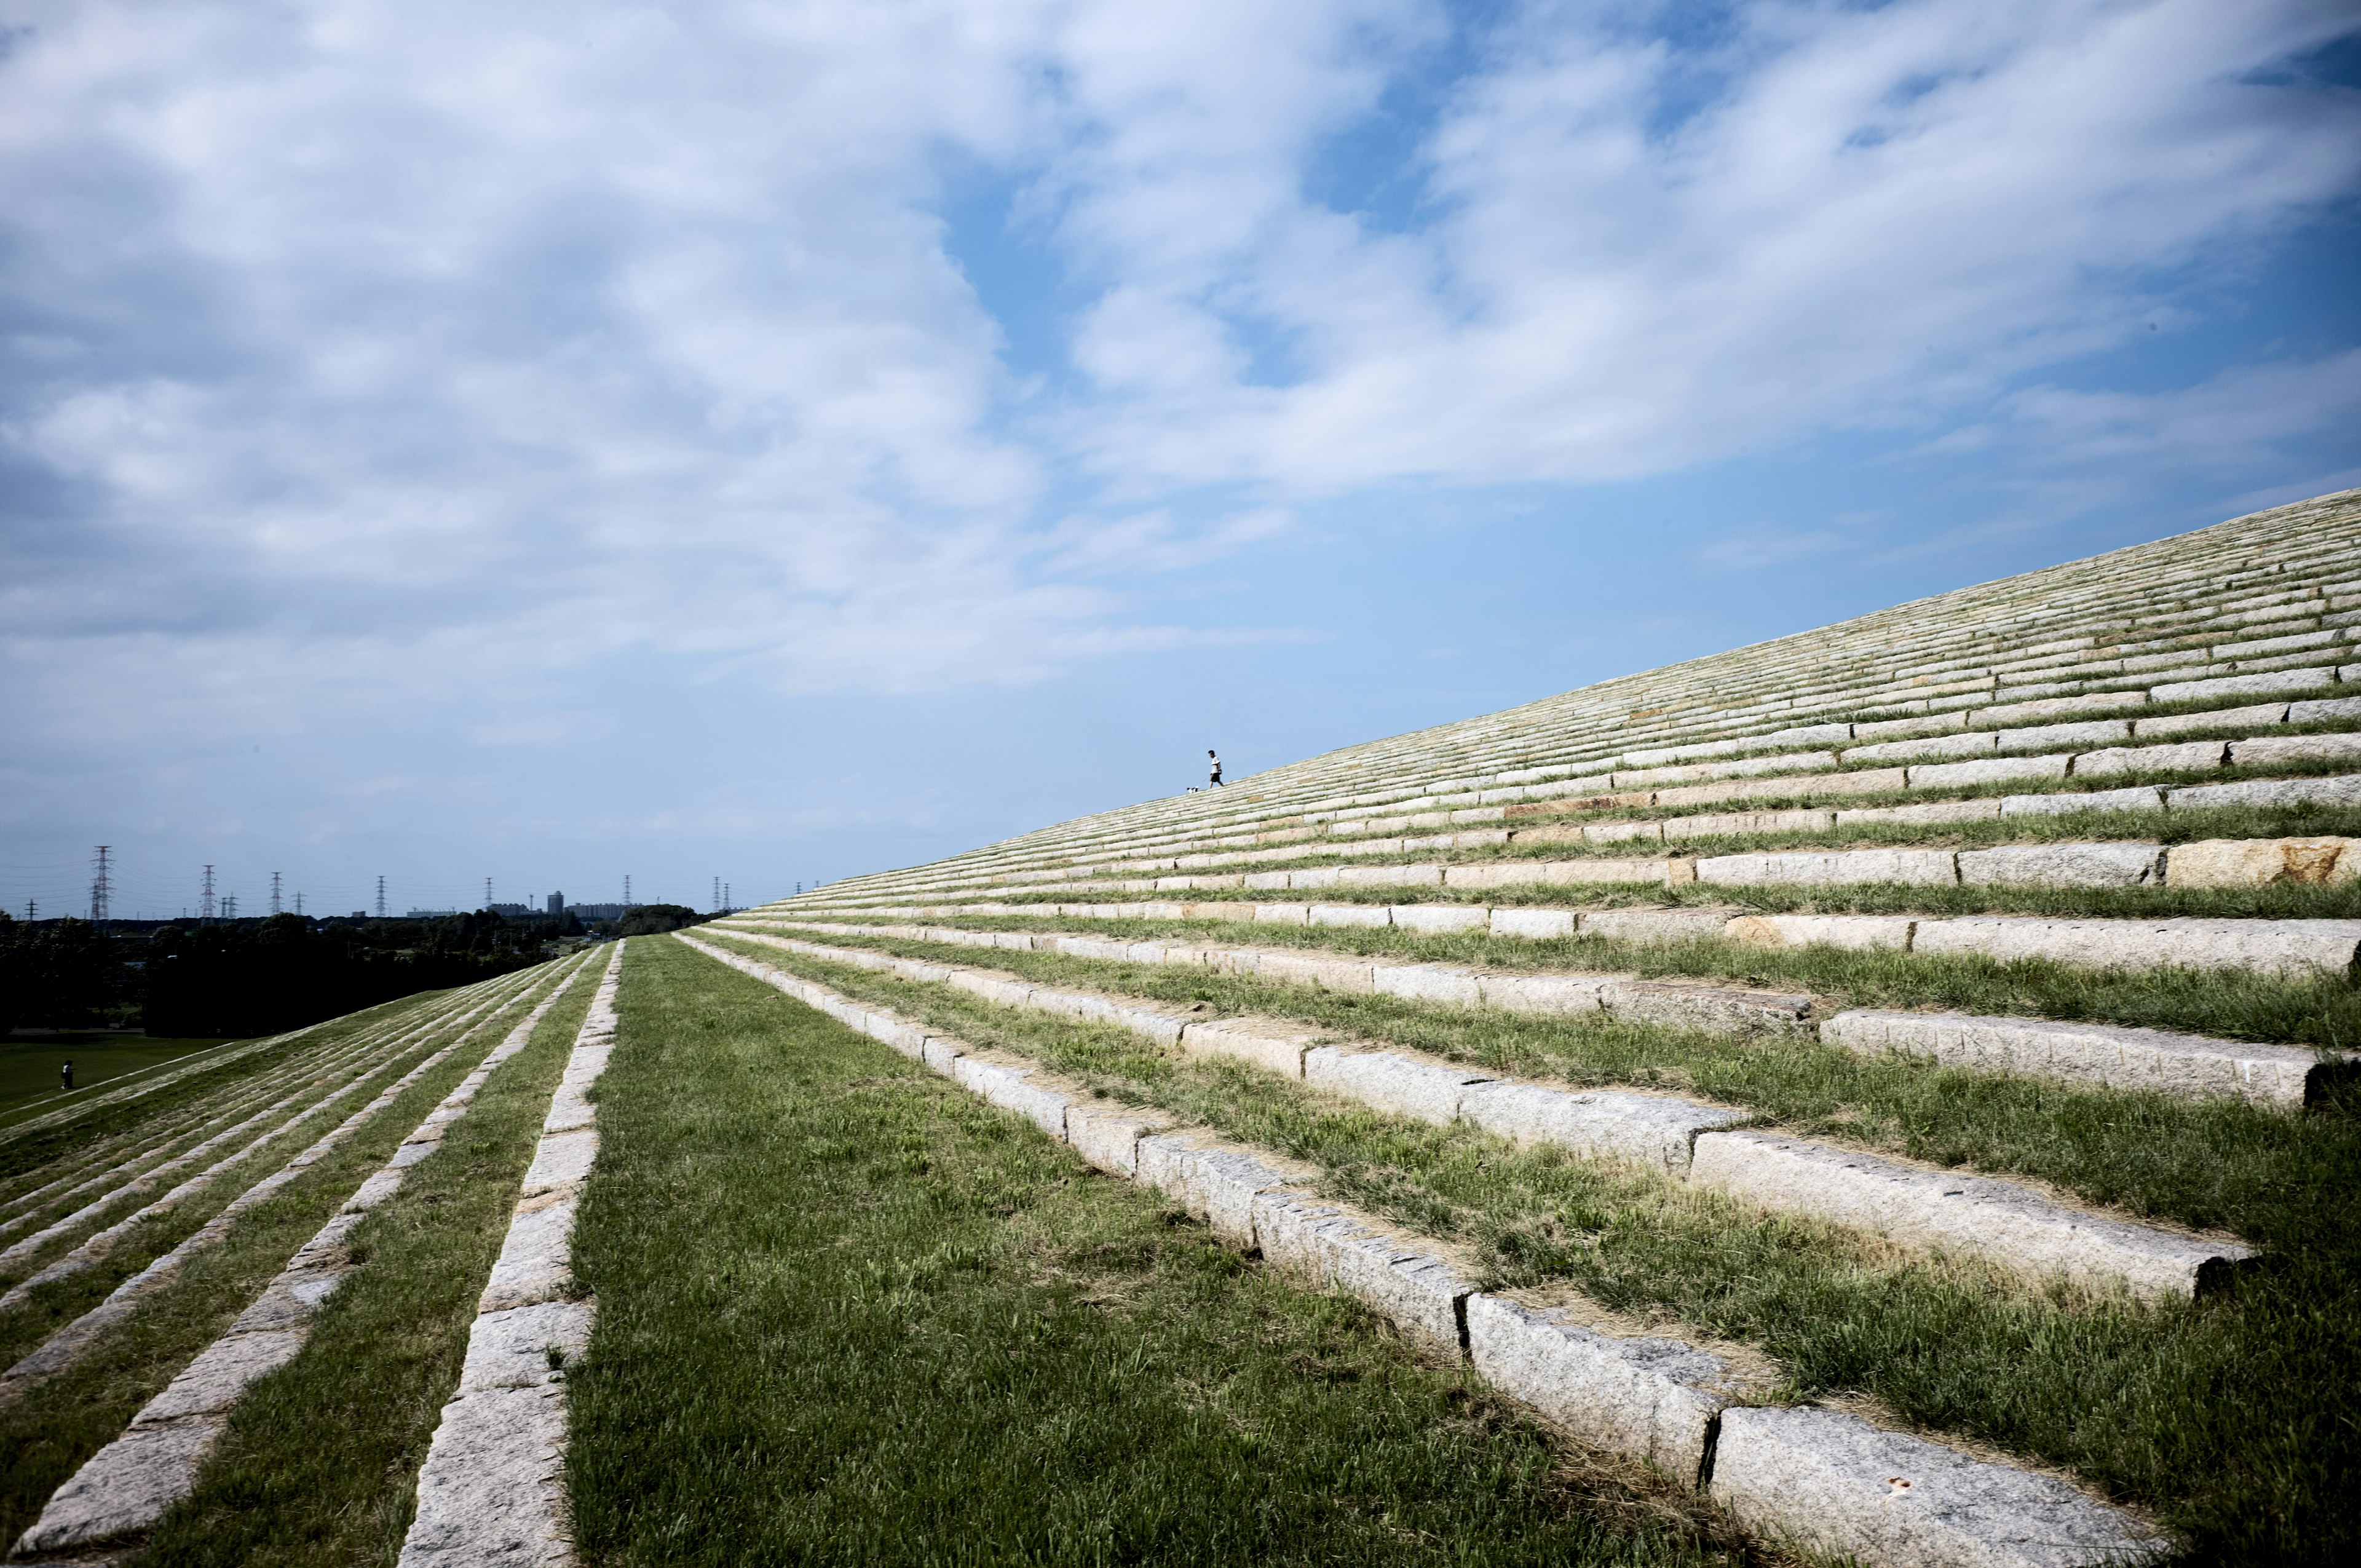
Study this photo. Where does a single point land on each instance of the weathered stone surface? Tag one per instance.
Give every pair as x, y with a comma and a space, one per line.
2266, 947
2191, 1066
1009, 1085
1391, 1081
2136, 799
536, 1260
124, 1487
1717, 824
2055, 708
1507, 873
1859, 932
1957, 744
1546, 993
1311, 969
379, 1187
1150, 1024
1271, 1043
2263, 862
1916, 868
1924, 724
1835, 1482
212, 1383
1536, 925
492, 1488
1618, 832
1652, 1399
562, 1159
1920, 815
1389, 876
1653, 1130
906, 1038
2217, 719
1652, 925
2243, 685
512, 1349
2326, 710
940, 1054
2181, 757
1351, 915
1216, 1183
1716, 1009
1429, 982
2277, 750
1107, 1135
2064, 865
1408, 1285
1278, 914
2092, 732
1999, 1220
1440, 917
2343, 789
1986, 770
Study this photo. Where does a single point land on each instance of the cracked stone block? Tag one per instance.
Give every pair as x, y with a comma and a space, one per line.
1913, 868
1433, 919
1861, 933
1408, 1285
2327, 710
1543, 993
1617, 832
1719, 823
2138, 799
1270, 1043
1429, 982
1652, 1398
904, 1037
2298, 948
2219, 719
1350, 915
1653, 925
1217, 1184
562, 1159
1329, 974
1999, 1220
123, 1488
535, 1261
2064, 865
1834, 1482
1987, 770
1108, 1136
1390, 1080
2187, 756
1537, 925
1720, 1010
492, 1489
1654, 1130
212, 1383
510, 1349
2263, 862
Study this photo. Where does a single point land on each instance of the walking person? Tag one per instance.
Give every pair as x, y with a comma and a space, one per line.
1215, 782
65, 1078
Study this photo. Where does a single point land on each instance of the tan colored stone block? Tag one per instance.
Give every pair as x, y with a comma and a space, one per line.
2262, 863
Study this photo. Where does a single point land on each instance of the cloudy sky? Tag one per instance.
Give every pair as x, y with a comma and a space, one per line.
549, 442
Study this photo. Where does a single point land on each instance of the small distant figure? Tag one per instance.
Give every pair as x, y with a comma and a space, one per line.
1215, 782
65, 1076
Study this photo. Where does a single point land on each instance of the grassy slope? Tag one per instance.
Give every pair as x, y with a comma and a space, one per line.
320, 1463
47, 1433
2208, 1411
28, 1067
847, 1313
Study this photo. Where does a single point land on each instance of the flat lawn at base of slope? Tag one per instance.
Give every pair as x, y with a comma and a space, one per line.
320, 1463
848, 1313
28, 1063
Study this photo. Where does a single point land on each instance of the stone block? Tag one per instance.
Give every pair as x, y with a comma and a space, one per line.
1726, 823
511, 1349
1916, 868
1620, 832
536, 1260
2278, 751
1719, 1010
1442, 984
941, 1052
1217, 1184
2139, 800
996, 988
1967, 743
379, 1187
2252, 717
2105, 1055
1548, 995
2299, 949
1612, 872
1147, 1021
1934, 811
123, 1488
1507, 873
212, 1383
1265, 1042
2186, 756
2343, 789
906, 1038
1312, 969
1654, 1399
1279, 915
1925, 724
1389, 876
1652, 925
1860, 933
1652, 1130
1435, 919
562, 1160
1536, 925
2092, 732
1391, 1081
1107, 1135
493, 1487
2064, 865
2326, 710
1350, 915
2263, 862
2244, 686
1010, 1086
1405, 1283
1949, 1209
1267, 882
1986, 770
1311, 879
1833, 1482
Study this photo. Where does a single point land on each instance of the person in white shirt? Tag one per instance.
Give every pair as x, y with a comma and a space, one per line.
1216, 761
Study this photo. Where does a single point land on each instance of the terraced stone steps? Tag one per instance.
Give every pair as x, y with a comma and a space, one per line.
2101, 1055
1691, 1140
1830, 1478
128, 1486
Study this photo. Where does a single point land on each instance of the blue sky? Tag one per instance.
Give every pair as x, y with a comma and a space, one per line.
769, 442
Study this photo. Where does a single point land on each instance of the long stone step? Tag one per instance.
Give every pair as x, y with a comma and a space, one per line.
1912, 1204
1857, 1488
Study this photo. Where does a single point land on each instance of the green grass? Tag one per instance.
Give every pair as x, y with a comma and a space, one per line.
2230, 1004
28, 1065
849, 1315
2209, 1413
319, 1463
53, 1429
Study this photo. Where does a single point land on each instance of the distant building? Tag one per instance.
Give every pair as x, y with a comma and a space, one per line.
596, 911
557, 904
513, 911
429, 914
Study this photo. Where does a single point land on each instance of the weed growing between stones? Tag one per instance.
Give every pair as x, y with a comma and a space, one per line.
2207, 1411
848, 1313
319, 1463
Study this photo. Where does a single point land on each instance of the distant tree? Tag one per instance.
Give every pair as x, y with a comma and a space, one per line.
652, 919
62, 973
